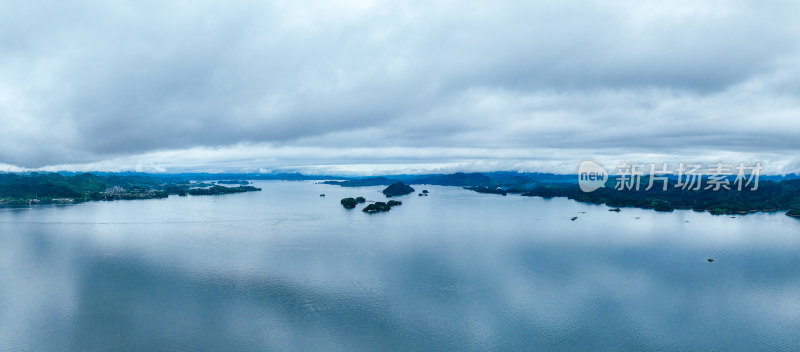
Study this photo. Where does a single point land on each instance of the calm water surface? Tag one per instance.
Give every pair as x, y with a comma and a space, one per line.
285, 269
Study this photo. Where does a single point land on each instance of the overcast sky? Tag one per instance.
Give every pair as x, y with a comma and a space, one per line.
396, 86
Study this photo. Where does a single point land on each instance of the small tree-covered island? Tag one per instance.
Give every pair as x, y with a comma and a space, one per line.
394, 189
378, 207
54, 188
350, 203
397, 189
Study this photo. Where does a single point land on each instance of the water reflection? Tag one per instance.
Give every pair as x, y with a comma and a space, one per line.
287, 270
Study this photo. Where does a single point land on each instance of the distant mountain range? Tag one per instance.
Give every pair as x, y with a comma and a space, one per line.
454, 179
506, 180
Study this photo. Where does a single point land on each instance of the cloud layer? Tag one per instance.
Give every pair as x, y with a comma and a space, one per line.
413, 85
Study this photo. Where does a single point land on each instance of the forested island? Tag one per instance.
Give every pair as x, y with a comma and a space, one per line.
378, 207
397, 189
350, 203
215, 190
54, 188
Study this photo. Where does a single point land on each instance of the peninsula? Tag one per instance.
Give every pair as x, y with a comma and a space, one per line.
54, 188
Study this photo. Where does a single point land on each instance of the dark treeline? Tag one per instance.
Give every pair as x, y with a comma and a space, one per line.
770, 196
38, 188
215, 190
53, 185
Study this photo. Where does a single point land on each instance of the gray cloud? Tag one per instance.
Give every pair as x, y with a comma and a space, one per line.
115, 84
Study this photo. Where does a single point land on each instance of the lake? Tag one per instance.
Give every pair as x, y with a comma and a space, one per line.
287, 270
